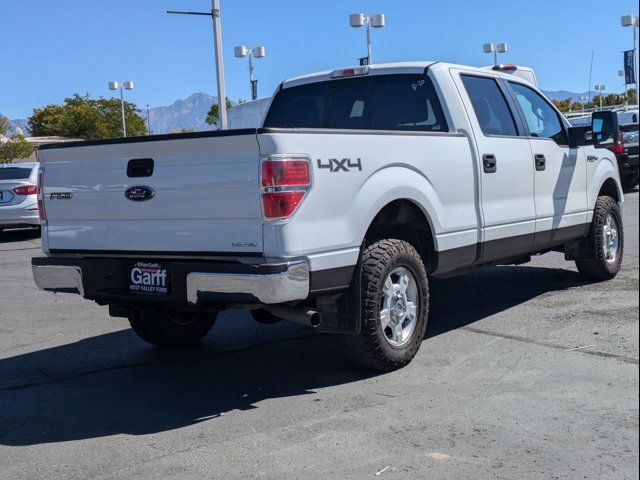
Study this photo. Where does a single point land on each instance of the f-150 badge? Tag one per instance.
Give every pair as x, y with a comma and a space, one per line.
344, 165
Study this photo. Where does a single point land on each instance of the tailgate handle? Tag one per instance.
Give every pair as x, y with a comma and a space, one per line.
140, 167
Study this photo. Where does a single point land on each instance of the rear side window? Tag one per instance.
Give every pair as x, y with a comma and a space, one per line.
384, 102
490, 106
14, 173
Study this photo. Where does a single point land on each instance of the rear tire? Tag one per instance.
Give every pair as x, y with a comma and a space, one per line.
387, 266
171, 329
607, 236
629, 180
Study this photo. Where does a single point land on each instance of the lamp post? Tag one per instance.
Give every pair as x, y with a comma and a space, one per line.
358, 20
633, 22
115, 85
621, 74
494, 48
148, 121
583, 100
600, 89
256, 52
217, 49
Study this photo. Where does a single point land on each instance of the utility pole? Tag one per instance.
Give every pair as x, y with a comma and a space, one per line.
148, 121
219, 62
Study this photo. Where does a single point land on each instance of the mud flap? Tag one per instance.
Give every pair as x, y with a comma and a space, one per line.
341, 312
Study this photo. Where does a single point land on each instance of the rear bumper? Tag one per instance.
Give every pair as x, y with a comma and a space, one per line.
19, 215
191, 283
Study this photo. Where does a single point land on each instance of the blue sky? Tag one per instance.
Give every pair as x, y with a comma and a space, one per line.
52, 49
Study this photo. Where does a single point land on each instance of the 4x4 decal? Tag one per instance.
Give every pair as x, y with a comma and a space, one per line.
344, 165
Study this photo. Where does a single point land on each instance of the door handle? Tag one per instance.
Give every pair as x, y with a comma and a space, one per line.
489, 163
140, 167
541, 162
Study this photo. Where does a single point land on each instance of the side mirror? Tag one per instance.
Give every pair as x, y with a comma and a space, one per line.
580, 136
606, 131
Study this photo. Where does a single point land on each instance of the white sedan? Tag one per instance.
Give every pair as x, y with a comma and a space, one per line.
19, 195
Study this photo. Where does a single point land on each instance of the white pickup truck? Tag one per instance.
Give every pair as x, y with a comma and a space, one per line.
361, 183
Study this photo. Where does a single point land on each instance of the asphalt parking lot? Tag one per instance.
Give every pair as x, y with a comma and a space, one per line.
526, 372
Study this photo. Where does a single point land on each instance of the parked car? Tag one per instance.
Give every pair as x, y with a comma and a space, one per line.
361, 184
627, 155
18, 195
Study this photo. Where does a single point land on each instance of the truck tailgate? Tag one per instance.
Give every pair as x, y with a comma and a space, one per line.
204, 195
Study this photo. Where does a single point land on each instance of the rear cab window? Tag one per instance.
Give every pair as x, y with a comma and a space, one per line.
490, 106
400, 102
15, 173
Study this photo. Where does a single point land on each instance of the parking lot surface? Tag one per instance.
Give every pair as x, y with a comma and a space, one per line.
526, 372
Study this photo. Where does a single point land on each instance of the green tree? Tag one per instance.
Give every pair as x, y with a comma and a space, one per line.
182, 130
86, 118
213, 117
15, 148
4, 124
632, 96
562, 105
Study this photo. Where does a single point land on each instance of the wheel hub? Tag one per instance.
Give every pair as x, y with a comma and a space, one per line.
398, 316
610, 240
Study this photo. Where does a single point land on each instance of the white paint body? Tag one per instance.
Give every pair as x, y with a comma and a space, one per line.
207, 189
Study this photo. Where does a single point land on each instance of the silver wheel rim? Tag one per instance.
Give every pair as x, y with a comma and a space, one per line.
610, 239
399, 313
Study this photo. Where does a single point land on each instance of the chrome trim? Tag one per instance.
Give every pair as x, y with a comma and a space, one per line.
58, 278
292, 284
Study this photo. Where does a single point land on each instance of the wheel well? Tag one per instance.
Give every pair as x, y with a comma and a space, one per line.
610, 189
403, 220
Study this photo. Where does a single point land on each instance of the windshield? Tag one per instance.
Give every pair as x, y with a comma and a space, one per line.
15, 173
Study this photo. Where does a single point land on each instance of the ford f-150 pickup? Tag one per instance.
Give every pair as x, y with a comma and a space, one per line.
360, 184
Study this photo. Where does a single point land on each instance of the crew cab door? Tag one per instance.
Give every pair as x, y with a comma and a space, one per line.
560, 172
505, 167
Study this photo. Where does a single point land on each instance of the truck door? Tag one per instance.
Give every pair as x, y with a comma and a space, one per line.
560, 172
505, 168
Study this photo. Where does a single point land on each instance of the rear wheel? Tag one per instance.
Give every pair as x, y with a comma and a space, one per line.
171, 329
395, 302
607, 237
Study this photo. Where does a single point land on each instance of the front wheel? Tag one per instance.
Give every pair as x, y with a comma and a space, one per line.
607, 238
171, 329
395, 304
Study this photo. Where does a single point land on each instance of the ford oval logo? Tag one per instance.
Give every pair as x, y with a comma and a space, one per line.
140, 193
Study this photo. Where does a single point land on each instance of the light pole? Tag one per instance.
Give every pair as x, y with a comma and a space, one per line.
358, 20
122, 86
148, 121
256, 52
621, 74
600, 89
633, 22
494, 48
583, 100
217, 48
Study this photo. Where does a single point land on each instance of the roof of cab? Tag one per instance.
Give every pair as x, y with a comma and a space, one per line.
389, 68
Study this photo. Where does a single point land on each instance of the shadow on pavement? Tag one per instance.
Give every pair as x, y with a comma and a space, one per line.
112, 384
19, 235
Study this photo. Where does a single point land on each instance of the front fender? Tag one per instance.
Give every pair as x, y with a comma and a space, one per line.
605, 169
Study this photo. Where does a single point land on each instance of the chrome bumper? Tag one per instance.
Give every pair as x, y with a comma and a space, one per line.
58, 278
292, 284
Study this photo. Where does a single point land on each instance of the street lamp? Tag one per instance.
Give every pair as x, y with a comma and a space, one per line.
494, 48
633, 22
583, 100
600, 89
256, 52
122, 86
622, 75
358, 20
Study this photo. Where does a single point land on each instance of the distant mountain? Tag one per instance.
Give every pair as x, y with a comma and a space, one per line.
189, 113
564, 94
18, 123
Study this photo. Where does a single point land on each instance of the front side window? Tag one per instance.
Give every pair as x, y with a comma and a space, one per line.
383, 102
541, 118
490, 106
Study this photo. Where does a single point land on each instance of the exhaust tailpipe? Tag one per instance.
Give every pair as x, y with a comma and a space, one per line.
305, 316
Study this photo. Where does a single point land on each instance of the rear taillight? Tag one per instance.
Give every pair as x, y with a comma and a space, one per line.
41, 211
284, 183
28, 189
619, 148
